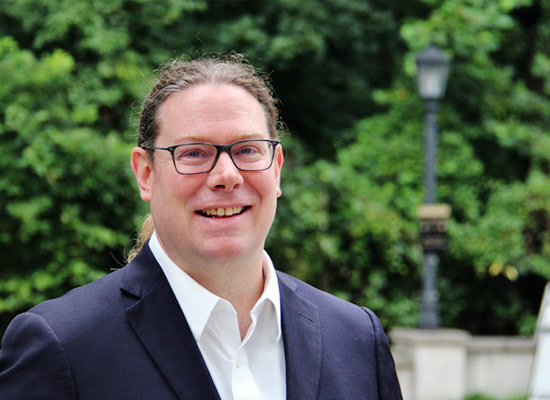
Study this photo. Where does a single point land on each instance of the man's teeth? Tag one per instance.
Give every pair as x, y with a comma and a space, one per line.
220, 212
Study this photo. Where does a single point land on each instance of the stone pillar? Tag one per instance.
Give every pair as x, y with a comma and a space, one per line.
436, 363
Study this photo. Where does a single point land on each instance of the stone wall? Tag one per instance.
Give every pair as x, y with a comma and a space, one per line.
445, 364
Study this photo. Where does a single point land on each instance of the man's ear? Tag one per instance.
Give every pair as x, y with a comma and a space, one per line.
141, 165
278, 166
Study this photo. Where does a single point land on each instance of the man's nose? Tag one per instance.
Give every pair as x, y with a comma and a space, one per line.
225, 175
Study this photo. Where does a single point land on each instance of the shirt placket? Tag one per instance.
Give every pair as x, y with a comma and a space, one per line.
244, 384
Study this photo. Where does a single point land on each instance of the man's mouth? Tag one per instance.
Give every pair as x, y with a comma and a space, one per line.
222, 212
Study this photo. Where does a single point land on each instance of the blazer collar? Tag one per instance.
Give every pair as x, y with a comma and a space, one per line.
160, 325
302, 341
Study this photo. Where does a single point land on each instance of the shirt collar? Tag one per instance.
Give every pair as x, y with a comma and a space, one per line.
197, 303
271, 291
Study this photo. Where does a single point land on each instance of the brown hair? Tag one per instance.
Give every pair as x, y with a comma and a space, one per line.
176, 76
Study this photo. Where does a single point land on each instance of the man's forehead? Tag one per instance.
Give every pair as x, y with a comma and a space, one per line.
200, 112
209, 98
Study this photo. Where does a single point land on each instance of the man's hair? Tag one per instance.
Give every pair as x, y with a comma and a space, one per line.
178, 75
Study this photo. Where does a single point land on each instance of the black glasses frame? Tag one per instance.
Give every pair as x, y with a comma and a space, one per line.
219, 149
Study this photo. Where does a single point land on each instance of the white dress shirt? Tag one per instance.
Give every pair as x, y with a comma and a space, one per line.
251, 369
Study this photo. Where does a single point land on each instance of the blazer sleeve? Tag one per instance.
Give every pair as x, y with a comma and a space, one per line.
33, 363
388, 384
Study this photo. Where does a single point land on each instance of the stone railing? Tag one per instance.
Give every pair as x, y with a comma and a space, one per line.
444, 364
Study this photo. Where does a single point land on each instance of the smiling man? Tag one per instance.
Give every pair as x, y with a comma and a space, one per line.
200, 312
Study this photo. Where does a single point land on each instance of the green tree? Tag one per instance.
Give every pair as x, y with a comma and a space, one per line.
353, 175
352, 222
76, 71
501, 105
65, 194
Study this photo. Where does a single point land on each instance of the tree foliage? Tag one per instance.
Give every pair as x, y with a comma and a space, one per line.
64, 187
493, 170
74, 73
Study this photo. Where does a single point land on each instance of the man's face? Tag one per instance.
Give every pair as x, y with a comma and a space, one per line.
219, 114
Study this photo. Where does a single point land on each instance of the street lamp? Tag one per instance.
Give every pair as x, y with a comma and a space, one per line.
432, 72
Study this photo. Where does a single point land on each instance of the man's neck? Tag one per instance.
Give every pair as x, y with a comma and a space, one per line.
239, 281
240, 285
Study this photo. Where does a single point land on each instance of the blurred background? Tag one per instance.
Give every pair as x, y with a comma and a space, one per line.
73, 74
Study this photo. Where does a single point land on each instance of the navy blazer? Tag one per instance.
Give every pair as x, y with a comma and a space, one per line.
124, 336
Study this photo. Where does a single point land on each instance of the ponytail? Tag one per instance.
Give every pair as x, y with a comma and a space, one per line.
147, 229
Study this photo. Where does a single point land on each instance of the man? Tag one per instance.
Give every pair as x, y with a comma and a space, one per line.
200, 312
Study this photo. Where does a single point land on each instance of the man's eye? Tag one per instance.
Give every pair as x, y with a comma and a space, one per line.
191, 155
246, 150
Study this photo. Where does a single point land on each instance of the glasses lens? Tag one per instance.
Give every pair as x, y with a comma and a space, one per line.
194, 158
252, 155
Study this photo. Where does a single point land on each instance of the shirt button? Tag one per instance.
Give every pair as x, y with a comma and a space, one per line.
238, 364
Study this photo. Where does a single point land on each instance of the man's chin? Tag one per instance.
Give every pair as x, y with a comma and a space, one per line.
226, 249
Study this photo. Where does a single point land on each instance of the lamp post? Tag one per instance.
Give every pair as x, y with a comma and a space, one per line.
432, 72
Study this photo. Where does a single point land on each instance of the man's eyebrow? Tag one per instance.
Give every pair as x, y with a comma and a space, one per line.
198, 138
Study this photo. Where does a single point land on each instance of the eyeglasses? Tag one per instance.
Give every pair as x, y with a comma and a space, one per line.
200, 158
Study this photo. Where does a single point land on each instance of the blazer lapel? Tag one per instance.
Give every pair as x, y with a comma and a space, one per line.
161, 326
302, 342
